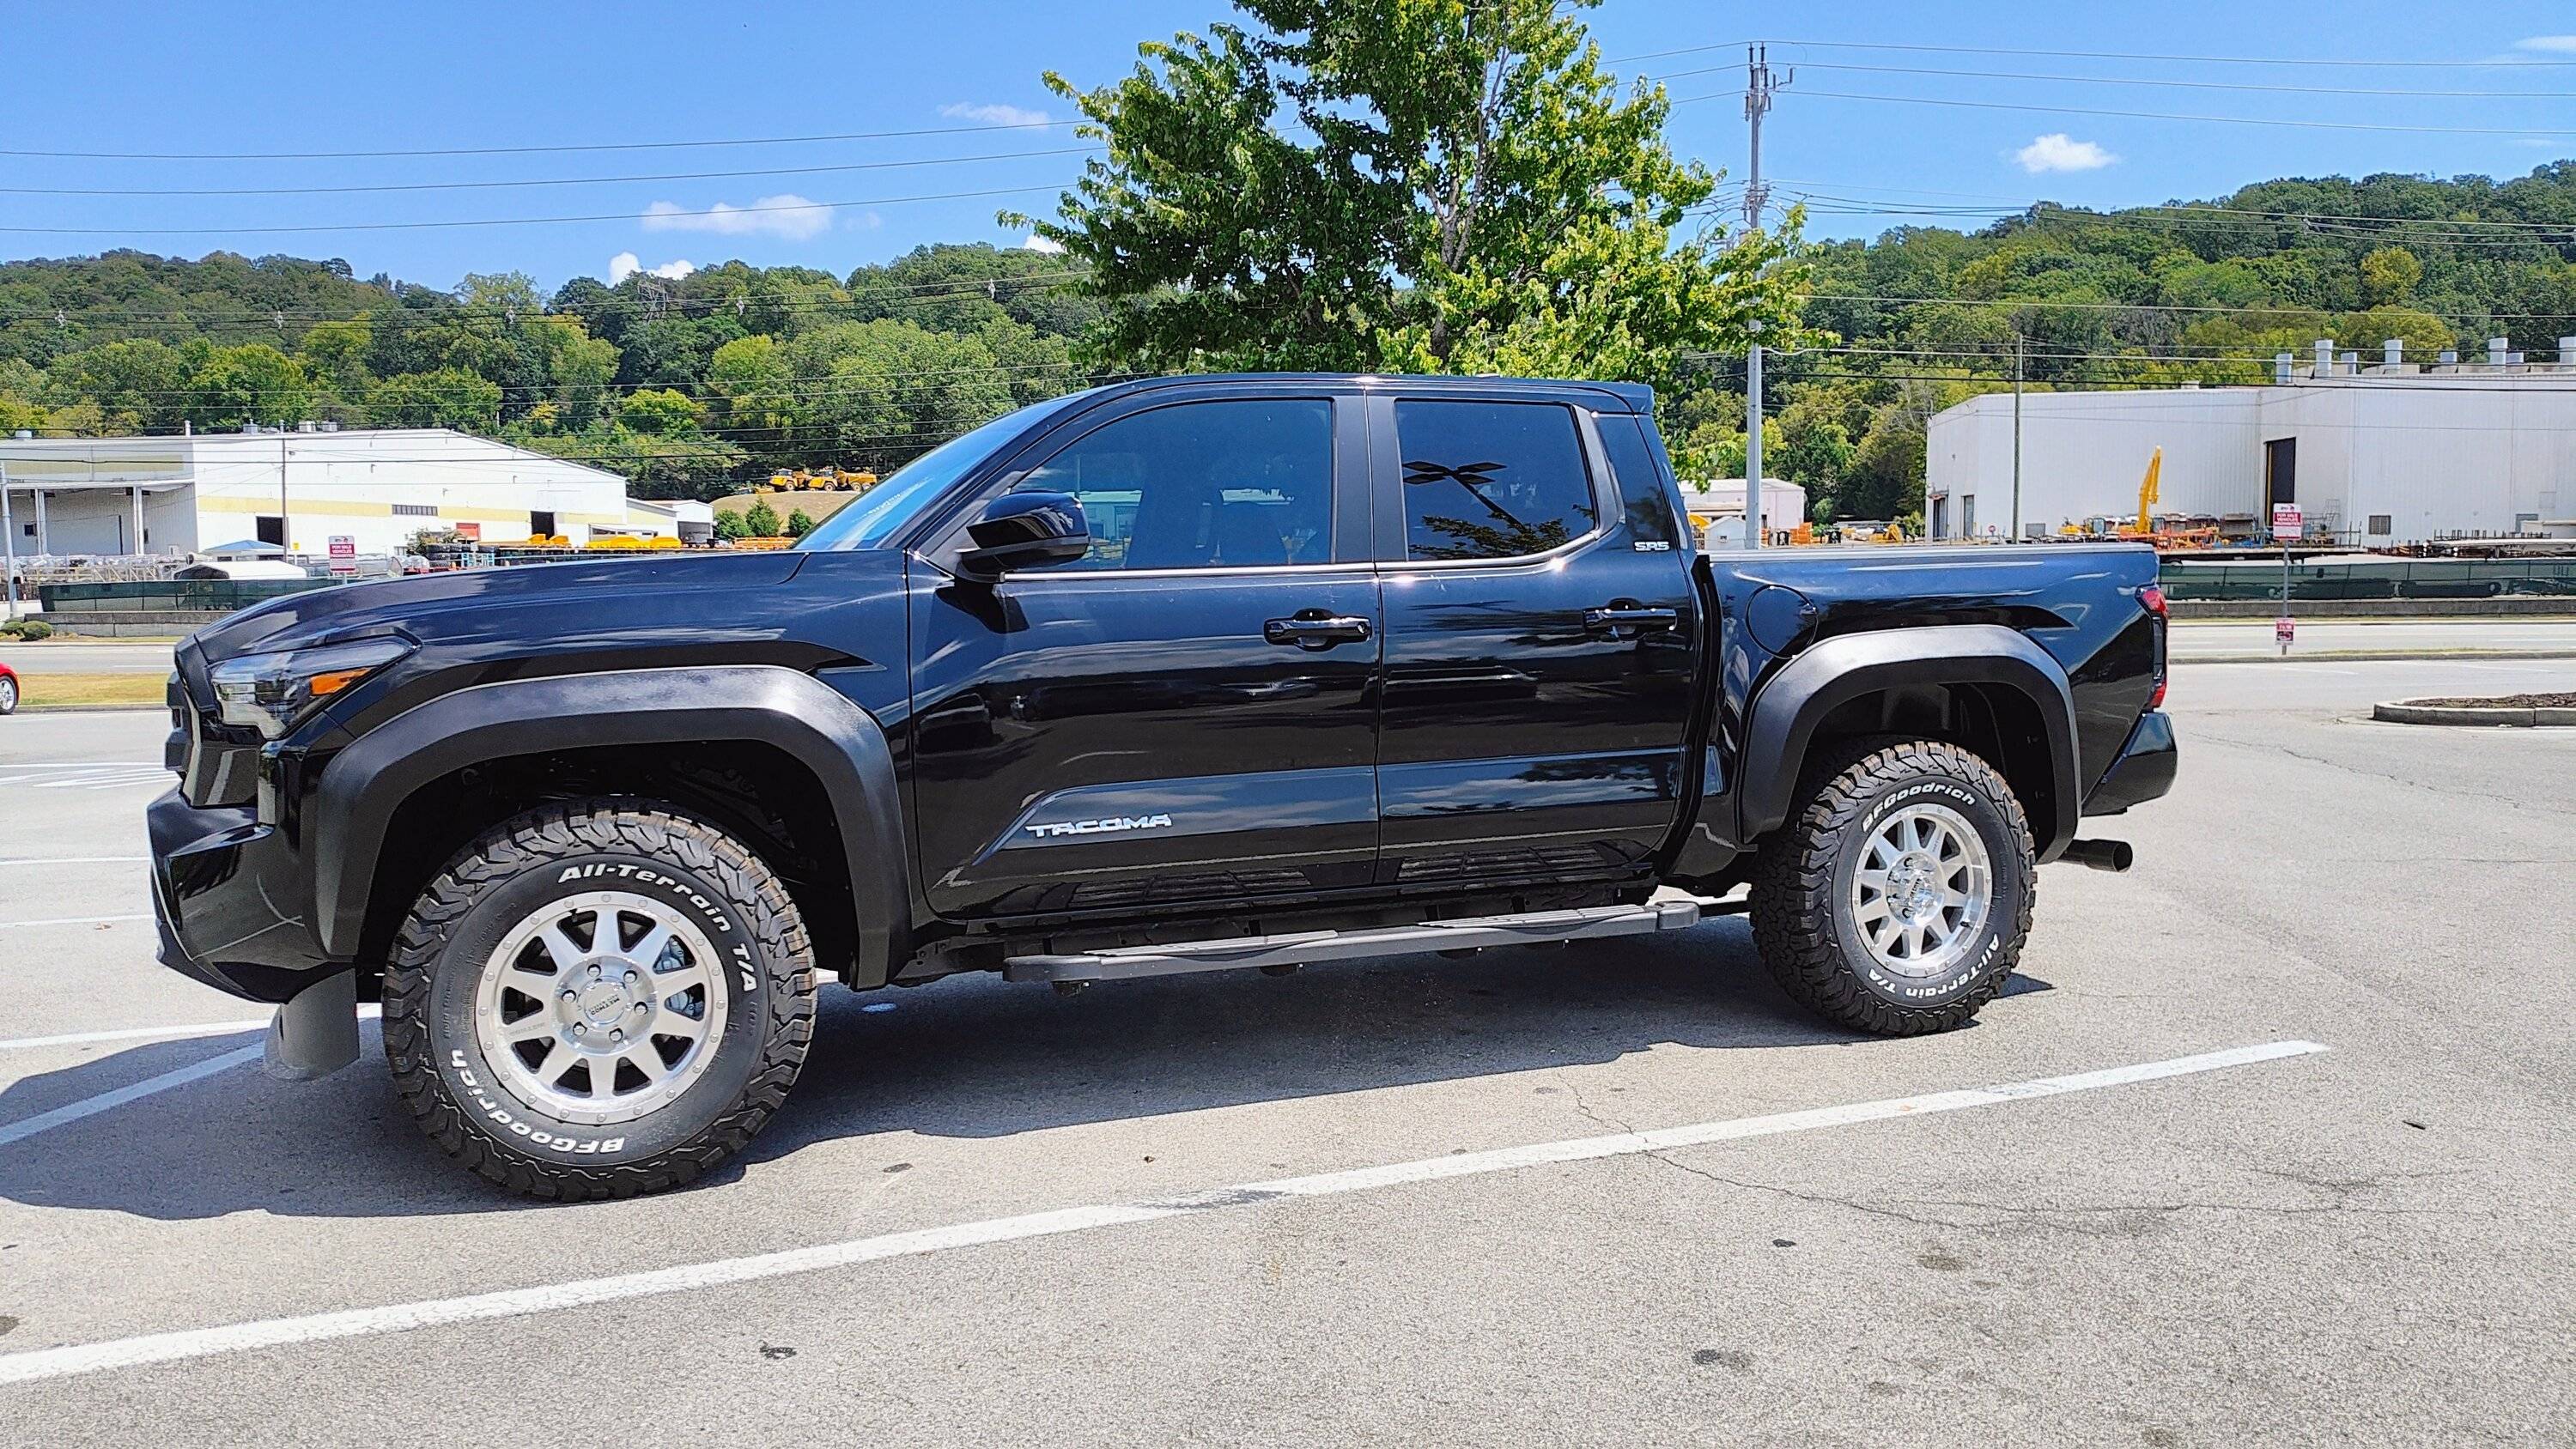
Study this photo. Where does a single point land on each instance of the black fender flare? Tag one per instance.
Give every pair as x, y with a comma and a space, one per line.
354, 801
1785, 713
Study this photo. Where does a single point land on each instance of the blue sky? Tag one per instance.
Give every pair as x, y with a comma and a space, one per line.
200, 78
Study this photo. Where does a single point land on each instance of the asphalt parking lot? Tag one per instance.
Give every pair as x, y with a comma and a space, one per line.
1613, 1193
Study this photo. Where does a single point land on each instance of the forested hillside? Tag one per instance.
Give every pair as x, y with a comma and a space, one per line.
690, 385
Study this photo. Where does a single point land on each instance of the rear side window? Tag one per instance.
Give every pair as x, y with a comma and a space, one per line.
1491, 480
1203, 485
1643, 498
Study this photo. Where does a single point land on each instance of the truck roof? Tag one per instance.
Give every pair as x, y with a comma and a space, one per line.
1634, 397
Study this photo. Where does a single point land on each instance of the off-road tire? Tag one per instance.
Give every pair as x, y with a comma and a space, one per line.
442, 947
1804, 927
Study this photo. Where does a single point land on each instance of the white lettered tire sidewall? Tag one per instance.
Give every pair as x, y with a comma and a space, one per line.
481, 1092
2008, 884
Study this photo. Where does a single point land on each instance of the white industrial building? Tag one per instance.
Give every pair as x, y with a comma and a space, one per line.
2388, 453
299, 490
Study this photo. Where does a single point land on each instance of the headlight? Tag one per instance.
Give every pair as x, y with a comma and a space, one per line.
271, 692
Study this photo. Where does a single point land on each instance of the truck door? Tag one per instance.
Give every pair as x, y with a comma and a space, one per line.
1189, 712
1541, 640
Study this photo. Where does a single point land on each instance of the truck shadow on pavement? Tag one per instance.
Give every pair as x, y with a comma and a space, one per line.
970, 1057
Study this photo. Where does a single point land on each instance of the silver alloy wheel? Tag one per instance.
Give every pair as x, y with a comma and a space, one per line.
601, 1007
8, 695
1922, 890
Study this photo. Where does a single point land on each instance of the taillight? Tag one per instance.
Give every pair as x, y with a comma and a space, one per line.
2152, 597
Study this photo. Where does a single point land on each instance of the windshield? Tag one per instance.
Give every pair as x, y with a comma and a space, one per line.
876, 515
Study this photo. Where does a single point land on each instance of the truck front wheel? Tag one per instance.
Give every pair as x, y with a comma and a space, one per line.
1897, 897
598, 999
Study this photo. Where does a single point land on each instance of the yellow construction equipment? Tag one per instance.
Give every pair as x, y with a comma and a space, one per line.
2147, 493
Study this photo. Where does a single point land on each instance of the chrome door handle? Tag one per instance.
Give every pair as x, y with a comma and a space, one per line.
1315, 629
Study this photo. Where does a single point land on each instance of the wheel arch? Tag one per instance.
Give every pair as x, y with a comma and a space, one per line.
1990, 686
380, 779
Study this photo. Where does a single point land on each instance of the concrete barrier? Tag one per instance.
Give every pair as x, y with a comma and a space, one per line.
2514, 605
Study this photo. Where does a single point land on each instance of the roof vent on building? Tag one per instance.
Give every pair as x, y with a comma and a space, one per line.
2393, 352
24, 433
2281, 367
2450, 357
2495, 351
251, 428
2352, 364
304, 426
329, 426
2513, 359
2325, 358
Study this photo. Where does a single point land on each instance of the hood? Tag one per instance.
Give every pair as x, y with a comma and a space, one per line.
568, 594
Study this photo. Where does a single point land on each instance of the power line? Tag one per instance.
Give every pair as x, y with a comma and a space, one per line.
2137, 55
557, 181
509, 220
2112, 80
531, 150
2169, 115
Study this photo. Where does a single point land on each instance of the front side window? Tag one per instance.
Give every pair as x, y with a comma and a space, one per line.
1491, 480
1203, 485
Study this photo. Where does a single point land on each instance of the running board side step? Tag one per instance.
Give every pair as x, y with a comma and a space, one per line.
1299, 948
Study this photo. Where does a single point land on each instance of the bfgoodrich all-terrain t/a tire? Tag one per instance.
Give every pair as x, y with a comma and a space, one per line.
598, 999
1897, 897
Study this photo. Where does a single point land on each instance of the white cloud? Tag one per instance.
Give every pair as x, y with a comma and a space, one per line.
787, 215
2061, 152
996, 115
627, 264
2554, 44
1037, 243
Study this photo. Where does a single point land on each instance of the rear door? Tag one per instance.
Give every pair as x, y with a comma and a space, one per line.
1187, 715
1541, 641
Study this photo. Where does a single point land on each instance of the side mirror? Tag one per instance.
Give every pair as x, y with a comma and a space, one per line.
1026, 531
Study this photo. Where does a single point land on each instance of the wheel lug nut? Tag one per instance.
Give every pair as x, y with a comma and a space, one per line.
632, 978
617, 1036
567, 993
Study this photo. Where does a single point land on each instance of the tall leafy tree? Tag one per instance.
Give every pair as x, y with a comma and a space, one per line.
1439, 185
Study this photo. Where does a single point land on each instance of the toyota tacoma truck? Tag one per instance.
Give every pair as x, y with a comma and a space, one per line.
1188, 674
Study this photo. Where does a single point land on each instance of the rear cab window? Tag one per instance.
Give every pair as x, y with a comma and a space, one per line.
1491, 480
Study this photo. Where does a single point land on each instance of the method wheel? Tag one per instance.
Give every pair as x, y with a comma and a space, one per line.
1897, 897
599, 999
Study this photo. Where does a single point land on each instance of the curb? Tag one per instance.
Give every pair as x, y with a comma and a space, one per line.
2349, 656
2407, 712
92, 709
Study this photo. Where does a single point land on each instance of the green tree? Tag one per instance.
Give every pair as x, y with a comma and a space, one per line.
254, 383
448, 398
660, 413
760, 520
799, 524
135, 383
2389, 275
335, 353
1435, 185
729, 525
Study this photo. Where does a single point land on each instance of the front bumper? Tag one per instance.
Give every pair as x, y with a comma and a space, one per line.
230, 897
2144, 770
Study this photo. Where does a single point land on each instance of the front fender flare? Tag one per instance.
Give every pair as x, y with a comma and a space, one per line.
352, 804
1786, 711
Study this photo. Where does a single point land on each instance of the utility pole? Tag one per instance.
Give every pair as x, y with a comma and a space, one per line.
1758, 89
285, 532
2016, 514
8, 549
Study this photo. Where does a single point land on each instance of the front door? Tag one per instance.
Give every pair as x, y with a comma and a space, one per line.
1187, 714
1540, 652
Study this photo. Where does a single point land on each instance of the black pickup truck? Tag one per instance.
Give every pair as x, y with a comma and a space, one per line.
1179, 675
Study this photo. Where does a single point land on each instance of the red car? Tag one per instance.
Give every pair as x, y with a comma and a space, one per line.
8, 690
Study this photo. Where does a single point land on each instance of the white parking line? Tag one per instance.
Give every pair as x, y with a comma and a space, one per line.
74, 860
92, 1106
53, 1363
73, 921
366, 1012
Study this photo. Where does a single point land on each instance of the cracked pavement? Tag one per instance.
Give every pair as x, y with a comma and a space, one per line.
2365, 1246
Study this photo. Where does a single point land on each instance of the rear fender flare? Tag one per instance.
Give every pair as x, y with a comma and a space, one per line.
352, 804
1786, 711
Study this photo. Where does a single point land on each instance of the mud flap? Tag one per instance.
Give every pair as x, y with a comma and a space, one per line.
316, 1032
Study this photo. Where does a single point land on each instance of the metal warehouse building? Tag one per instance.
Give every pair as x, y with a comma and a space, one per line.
2385, 454
297, 490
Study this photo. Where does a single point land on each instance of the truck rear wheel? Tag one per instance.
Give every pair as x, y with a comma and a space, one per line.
1897, 897
599, 999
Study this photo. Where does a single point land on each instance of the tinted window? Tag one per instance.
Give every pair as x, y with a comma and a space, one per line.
1204, 485
918, 484
1643, 498
1490, 480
